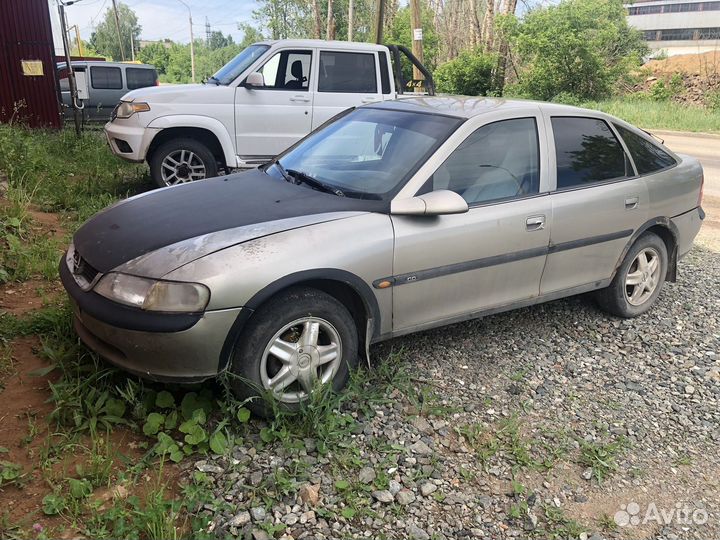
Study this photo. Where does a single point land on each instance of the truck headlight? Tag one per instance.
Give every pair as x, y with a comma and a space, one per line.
153, 294
127, 108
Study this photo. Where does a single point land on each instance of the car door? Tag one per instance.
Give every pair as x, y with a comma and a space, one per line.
106, 89
345, 79
271, 118
598, 202
453, 266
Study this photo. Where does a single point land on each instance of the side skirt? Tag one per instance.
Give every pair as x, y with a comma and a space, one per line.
581, 289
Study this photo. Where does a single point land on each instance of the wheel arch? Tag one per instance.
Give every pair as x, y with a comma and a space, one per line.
208, 131
667, 231
348, 288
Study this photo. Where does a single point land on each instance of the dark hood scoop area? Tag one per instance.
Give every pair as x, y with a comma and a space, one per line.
158, 219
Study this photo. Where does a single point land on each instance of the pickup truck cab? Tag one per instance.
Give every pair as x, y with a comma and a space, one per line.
260, 103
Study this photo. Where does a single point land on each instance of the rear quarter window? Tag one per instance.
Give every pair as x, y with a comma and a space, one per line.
140, 77
648, 156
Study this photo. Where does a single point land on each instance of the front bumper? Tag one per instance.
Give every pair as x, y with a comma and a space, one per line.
128, 139
156, 346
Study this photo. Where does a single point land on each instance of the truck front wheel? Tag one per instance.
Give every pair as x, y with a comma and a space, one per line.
182, 160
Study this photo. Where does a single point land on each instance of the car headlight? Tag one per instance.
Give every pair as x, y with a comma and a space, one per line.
153, 294
127, 108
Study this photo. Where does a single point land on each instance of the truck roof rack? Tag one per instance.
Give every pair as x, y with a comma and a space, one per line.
398, 51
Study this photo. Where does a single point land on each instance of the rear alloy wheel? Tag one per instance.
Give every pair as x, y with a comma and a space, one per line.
299, 340
639, 279
180, 161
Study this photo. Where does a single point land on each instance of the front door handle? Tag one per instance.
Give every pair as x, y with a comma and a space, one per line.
631, 203
535, 223
371, 99
301, 99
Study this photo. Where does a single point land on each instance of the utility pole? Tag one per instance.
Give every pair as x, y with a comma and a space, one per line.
379, 20
351, 18
207, 31
71, 73
132, 46
417, 44
192, 42
117, 27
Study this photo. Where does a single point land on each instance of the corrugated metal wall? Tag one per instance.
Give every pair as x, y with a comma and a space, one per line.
26, 35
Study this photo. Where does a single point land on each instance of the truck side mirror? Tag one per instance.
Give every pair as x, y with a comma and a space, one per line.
255, 80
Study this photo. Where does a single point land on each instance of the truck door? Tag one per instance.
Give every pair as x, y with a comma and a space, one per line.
270, 118
345, 79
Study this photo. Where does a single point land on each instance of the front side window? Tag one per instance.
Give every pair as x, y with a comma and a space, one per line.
498, 161
369, 153
288, 70
140, 77
347, 72
587, 151
106, 78
648, 156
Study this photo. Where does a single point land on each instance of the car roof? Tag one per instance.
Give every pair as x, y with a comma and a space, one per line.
324, 44
470, 106
85, 63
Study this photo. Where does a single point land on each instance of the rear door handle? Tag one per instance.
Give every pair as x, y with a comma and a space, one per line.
535, 223
301, 99
631, 203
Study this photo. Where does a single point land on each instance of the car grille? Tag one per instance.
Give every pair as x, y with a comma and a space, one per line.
83, 272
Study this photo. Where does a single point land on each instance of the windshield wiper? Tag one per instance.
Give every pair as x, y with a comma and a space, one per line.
310, 181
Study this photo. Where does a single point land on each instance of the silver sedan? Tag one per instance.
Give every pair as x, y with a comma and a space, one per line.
393, 218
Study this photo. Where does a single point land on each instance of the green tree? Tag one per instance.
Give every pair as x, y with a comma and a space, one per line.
470, 74
156, 54
250, 35
105, 37
218, 40
285, 18
576, 48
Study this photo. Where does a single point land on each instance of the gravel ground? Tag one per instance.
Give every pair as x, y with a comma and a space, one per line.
551, 421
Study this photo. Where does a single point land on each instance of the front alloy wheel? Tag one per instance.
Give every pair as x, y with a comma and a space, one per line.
299, 355
182, 166
179, 161
297, 342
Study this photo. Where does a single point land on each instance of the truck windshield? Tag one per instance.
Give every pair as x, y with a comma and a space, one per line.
230, 71
368, 153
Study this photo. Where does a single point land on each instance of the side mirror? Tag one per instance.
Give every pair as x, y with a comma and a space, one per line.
255, 80
435, 203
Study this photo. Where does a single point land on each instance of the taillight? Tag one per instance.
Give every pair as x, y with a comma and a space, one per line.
157, 82
702, 188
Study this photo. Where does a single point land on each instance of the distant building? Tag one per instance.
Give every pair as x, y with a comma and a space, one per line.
677, 26
146, 42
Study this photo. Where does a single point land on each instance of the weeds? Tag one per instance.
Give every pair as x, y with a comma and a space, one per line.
601, 458
651, 114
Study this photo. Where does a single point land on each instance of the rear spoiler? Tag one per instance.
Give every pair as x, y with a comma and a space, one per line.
397, 51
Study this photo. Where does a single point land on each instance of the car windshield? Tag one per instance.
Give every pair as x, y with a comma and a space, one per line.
229, 72
368, 153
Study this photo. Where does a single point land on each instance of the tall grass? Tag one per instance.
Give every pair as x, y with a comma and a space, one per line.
669, 115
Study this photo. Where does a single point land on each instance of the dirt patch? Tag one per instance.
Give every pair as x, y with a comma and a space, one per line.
709, 235
20, 298
691, 64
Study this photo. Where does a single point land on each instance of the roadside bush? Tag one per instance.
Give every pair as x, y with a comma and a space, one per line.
579, 47
659, 92
469, 74
712, 100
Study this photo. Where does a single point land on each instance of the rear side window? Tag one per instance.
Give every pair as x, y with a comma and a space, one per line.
587, 151
648, 157
140, 78
106, 78
347, 72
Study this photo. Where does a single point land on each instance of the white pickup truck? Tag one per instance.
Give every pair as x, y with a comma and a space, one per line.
261, 102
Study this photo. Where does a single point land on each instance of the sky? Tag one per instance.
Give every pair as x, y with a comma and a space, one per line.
160, 18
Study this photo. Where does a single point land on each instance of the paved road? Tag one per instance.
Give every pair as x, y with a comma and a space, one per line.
707, 149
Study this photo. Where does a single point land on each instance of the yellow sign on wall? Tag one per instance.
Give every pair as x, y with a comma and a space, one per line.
32, 68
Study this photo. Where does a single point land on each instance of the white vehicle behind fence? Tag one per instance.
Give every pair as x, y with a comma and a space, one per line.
261, 102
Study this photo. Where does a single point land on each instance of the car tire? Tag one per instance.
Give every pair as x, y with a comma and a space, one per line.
638, 280
182, 160
281, 326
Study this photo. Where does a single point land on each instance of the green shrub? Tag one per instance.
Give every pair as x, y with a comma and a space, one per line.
659, 92
469, 74
580, 47
712, 100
